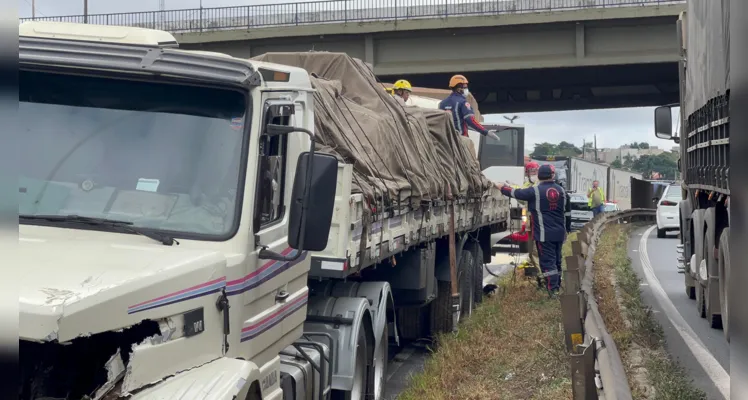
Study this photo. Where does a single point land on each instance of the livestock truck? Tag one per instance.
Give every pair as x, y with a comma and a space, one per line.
198, 225
704, 139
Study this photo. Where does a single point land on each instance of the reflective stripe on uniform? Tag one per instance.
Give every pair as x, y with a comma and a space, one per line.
540, 214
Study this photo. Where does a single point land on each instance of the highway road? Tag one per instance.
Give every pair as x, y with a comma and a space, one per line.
410, 358
702, 351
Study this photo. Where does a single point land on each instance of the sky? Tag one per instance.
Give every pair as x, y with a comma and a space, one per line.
613, 127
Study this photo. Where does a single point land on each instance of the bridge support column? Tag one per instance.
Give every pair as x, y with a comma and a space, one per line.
369, 50
580, 40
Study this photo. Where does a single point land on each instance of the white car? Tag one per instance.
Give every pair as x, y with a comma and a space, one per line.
581, 212
668, 218
611, 207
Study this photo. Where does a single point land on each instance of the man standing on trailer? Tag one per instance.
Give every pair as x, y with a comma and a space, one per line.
463, 115
547, 204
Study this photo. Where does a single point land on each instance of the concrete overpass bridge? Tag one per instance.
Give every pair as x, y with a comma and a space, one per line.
519, 55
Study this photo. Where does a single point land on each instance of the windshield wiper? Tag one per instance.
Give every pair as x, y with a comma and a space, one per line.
125, 226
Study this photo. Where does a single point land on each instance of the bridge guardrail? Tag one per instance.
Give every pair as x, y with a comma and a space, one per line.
597, 369
332, 11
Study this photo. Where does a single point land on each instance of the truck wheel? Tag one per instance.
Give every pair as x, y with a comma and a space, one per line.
524, 247
724, 278
690, 288
467, 276
700, 303
661, 233
380, 365
442, 309
711, 310
362, 371
478, 274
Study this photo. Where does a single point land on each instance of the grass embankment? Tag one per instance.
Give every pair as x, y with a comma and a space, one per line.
638, 336
512, 347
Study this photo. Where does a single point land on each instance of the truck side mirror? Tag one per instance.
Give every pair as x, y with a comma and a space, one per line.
663, 120
312, 201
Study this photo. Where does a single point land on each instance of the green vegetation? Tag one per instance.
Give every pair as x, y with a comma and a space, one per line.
512, 347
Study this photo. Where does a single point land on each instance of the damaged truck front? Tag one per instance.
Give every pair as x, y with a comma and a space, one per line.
136, 257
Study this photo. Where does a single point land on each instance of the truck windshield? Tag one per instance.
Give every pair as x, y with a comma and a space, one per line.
162, 156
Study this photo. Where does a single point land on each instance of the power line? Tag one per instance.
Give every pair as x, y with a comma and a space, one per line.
32, 3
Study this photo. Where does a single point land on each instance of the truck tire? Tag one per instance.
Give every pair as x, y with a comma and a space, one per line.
381, 355
524, 247
362, 373
466, 271
442, 309
661, 234
710, 287
478, 274
724, 278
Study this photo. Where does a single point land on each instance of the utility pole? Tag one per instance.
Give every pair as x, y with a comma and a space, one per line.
85, 11
33, 9
595, 137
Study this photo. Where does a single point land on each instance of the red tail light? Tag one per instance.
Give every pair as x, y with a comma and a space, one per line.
668, 203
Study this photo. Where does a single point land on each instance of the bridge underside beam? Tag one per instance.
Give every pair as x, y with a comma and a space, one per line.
559, 89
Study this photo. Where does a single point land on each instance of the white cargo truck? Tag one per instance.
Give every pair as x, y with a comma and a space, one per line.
619, 187
584, 172
181, 238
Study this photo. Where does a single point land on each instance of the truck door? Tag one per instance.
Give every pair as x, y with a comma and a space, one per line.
273, 296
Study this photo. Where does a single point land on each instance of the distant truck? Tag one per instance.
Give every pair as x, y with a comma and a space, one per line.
194, 225
704, 139
577, 175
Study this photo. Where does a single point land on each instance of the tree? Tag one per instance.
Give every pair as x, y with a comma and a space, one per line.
568, 149
616, 163
544, 149
643, 145
662, 163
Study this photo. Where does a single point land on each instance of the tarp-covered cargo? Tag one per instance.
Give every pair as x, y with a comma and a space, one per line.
707, 33
398, 153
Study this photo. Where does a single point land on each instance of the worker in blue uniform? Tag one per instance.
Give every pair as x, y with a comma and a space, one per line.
547, 204
463, 115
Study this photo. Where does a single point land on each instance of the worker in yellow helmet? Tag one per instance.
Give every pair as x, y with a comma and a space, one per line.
401, 90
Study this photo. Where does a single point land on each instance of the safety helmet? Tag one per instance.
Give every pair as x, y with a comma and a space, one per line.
531, 166
402, 84
546, 171
456, 80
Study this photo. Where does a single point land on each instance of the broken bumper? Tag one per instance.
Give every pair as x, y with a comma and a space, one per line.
225, 378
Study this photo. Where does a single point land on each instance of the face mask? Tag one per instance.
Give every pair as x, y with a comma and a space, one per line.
465, 92
533, 178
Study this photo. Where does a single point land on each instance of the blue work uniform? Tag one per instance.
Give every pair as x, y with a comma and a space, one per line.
462, 114
547, 204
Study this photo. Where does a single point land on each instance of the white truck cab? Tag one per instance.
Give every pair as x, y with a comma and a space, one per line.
125, 134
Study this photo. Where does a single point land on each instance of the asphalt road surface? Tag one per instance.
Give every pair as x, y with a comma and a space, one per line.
702, 351
410, 358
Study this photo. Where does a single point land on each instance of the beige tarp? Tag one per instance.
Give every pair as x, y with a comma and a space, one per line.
397, 152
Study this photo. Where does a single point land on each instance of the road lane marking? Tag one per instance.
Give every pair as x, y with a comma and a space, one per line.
711, 366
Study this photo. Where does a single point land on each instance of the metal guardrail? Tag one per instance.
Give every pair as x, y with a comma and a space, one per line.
596, 366
333, 11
